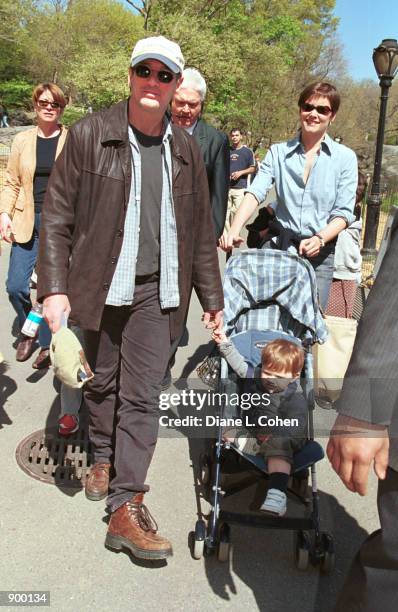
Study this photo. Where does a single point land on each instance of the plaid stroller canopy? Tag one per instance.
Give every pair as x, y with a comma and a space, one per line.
272, 290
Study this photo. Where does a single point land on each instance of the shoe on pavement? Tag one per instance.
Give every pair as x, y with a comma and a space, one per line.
68, 424
42, 360
133, 527
97, 483
275, 502
25, 347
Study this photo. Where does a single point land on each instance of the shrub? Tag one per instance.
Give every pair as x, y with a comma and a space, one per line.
72, 114
16, 93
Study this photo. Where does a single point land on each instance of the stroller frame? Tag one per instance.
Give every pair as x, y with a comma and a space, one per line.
215, 535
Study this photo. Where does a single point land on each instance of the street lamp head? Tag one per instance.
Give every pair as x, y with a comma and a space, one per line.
385, 58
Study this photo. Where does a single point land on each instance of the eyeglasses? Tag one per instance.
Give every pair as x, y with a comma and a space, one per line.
45, 103
321, 110
144, 72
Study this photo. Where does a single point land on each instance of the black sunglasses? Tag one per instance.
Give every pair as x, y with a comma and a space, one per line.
144, 72
45, 103
321, 110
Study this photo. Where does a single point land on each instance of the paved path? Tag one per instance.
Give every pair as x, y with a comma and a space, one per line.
52, 539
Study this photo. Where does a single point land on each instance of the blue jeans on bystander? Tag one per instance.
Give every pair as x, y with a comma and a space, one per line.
22, 262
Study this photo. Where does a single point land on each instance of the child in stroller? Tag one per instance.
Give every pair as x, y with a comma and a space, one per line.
283, 405
269, 295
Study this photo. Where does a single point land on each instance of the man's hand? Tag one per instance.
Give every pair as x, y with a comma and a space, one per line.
213, 319
310, 247
235, 175
55, 308
229, 240
6, 228
352, 449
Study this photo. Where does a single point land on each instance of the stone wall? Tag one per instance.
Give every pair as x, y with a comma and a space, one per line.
7, 134
390, 162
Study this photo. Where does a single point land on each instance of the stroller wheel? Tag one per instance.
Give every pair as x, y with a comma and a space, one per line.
204, 469
302, 550
327, 562
224, 544
199, 536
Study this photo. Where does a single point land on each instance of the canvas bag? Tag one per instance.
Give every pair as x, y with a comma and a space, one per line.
331, 359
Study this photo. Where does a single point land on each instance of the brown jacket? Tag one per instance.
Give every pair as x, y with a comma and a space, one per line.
16, 199
84, 213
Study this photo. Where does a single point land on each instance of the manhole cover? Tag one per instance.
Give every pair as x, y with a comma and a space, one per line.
50, 458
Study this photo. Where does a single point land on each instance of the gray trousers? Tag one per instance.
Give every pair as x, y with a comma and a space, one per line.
372, 583
128, 355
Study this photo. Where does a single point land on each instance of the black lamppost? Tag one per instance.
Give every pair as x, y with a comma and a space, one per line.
385, 59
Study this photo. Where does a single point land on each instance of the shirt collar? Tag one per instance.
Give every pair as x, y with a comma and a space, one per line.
328, 145
191, 128
167, 133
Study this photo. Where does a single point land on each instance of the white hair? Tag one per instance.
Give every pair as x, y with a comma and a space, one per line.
192, 79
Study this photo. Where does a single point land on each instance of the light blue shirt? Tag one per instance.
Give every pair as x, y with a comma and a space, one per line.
329, 192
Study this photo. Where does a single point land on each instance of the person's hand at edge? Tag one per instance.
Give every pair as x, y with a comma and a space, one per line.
352, 448
6, 231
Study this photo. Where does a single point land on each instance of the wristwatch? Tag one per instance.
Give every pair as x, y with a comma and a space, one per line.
321, 240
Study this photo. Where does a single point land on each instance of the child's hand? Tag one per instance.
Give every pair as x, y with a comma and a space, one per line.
219, 336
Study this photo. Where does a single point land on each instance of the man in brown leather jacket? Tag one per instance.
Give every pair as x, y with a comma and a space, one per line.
126, 233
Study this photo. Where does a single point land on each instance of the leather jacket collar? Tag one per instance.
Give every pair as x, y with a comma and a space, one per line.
116, 131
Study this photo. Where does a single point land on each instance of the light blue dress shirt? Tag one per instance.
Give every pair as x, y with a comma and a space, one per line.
329, 192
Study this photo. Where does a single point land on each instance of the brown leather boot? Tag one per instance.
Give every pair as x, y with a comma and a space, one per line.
97, 483
132, 526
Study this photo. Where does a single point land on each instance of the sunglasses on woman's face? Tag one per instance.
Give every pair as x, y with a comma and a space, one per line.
45, 103
321, 110
144, 72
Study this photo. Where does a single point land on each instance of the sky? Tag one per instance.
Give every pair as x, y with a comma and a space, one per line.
363, 25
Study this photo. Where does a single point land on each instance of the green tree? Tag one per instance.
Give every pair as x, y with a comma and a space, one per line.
13, 16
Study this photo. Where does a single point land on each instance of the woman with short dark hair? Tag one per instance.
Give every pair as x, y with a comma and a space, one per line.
315, 179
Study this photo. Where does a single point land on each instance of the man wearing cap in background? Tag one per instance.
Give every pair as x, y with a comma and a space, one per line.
125, 205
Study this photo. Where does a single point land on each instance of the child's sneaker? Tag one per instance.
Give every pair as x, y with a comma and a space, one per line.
68, 424
275, 502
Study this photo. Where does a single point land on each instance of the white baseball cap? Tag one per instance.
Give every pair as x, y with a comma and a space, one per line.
161, 49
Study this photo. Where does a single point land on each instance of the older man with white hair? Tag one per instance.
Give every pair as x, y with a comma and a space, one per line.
186, 108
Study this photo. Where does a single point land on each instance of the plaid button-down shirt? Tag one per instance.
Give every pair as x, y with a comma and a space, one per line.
121, 292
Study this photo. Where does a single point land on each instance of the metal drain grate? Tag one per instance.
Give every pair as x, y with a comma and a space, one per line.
50, 458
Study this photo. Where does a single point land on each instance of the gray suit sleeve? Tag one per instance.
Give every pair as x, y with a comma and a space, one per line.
370, 389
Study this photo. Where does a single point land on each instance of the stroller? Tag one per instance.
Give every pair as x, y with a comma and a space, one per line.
268, 294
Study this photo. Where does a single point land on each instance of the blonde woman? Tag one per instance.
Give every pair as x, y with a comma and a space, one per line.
33, 154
